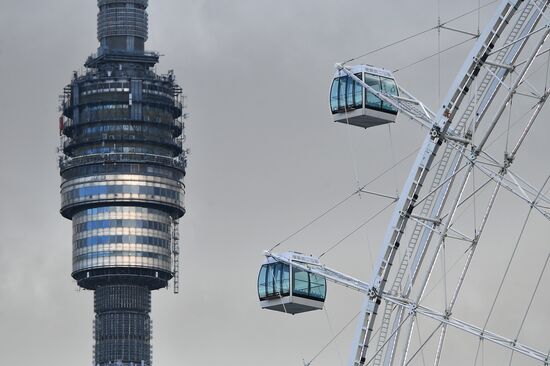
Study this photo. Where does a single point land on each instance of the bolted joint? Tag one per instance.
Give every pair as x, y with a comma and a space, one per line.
474, 154
544, 96
435, 133
372, 293
508, 161
475, 241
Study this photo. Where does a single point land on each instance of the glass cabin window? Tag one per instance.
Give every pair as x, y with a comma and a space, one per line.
285, 280
274, 280
346, 94
262, 285
270, 289
334, 95
280, 273
372, 100
350, 88
342, 92
354, 95
309, 285
301, 283
318, 286
389, 86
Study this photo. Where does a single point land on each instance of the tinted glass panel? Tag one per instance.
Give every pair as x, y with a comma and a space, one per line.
273, 280
285, 280
389, 86
262, 283
107, 224
334, 95
350, 91
121, 253
121, 239
301, 283
317, 286
309, 285
374, 82
142, 190
270, 287
342, 92
277, 273
346, 94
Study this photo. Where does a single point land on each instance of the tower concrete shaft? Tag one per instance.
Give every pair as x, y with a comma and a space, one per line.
122, 167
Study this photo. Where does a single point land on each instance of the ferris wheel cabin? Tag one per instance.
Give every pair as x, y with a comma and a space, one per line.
353, 104
288, 289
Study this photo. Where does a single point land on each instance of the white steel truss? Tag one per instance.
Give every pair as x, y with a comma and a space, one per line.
482, 75
441, 124
407, 305
473, 101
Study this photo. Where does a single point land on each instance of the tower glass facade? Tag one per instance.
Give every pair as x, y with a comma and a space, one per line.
122, 172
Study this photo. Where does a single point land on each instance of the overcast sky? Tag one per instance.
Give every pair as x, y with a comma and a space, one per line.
265, 160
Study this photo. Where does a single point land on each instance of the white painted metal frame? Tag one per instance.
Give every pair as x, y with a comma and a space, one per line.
406, 204
457, 138
507, 9
413, 308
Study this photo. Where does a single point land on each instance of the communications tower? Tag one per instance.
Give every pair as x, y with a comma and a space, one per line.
122, 166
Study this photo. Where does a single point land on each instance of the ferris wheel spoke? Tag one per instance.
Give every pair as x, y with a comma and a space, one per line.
420, 349
446, 318
474, 243
534, 192
465, 269
512, 257
461, 236
514, 190
511, 185
472, 250
520, 188
531, 300
463, 274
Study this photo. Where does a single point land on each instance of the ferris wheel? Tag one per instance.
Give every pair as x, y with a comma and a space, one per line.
463, 167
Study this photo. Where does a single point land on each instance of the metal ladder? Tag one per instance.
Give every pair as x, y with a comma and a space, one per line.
176, 254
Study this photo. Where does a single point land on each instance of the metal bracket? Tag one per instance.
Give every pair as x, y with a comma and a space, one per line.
372, 293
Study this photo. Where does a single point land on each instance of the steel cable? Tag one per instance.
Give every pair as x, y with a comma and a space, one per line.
419, 33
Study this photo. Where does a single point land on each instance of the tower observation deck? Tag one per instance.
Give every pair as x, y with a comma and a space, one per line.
122, 168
